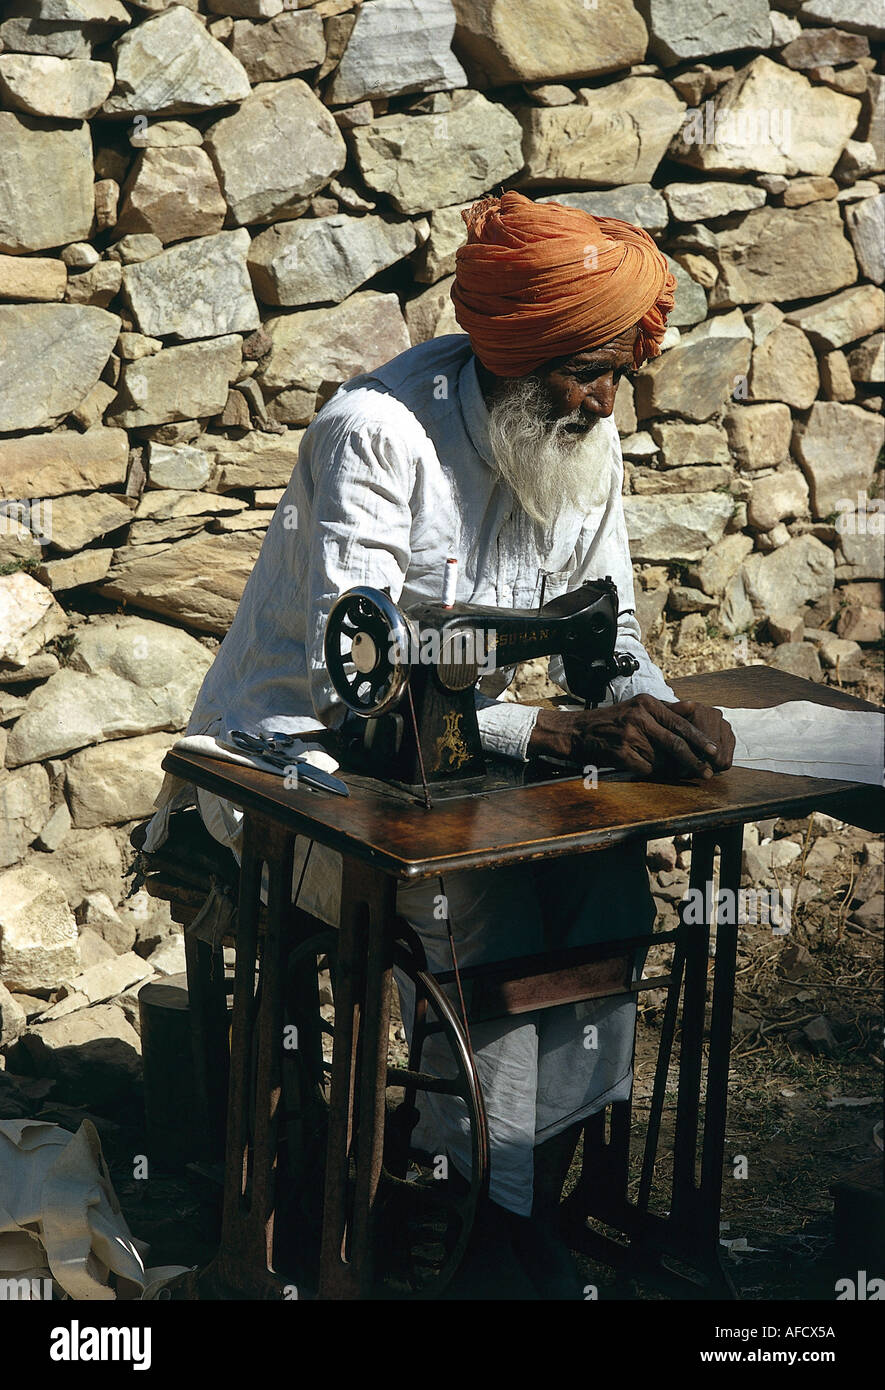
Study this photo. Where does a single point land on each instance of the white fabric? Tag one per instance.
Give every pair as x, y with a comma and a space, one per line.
206, 744
60, 1218
805, 739
302, 750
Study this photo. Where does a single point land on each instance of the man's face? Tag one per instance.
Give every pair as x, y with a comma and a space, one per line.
548, 458
585, 384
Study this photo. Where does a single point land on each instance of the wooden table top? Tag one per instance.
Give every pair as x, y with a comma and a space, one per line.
550, 818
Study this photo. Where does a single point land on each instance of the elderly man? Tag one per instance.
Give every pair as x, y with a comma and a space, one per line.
499, 449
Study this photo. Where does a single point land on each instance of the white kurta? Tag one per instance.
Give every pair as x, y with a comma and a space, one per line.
395, 475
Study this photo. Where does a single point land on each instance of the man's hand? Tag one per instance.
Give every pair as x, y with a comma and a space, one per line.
642, 735
709, 721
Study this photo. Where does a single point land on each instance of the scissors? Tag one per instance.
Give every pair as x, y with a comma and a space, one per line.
271, 747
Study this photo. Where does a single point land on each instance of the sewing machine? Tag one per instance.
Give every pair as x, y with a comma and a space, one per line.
408, 678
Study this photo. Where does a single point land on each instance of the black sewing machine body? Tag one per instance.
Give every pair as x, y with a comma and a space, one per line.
408, 678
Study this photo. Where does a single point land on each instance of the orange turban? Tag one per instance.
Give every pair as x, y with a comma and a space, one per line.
536, 281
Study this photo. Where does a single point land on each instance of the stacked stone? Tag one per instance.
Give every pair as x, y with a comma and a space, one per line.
214, 212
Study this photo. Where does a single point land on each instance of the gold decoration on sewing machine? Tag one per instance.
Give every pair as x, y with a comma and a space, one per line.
451, 751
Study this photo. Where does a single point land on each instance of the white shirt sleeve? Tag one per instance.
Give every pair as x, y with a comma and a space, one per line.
504, 727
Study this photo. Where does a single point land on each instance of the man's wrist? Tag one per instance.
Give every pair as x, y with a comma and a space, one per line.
556, 735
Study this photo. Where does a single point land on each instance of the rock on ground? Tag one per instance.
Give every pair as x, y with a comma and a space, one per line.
13, 1018
169, 957
87, 861
108, 977
96, 913
38, 934
799, 659
116, 782
93, 1054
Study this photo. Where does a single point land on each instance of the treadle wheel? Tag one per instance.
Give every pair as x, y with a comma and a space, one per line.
424, 1210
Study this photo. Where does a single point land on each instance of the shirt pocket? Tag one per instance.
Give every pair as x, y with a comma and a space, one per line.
551, 583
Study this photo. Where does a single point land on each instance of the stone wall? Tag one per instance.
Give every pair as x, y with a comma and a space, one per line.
212, 214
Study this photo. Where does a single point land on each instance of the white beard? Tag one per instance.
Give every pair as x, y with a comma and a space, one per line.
546, 465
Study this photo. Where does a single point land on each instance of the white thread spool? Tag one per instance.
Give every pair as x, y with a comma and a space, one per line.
450, 582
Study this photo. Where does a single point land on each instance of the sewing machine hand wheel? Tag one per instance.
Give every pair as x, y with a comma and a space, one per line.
366, 648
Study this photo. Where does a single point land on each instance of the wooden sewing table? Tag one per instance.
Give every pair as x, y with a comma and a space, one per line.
384, 842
